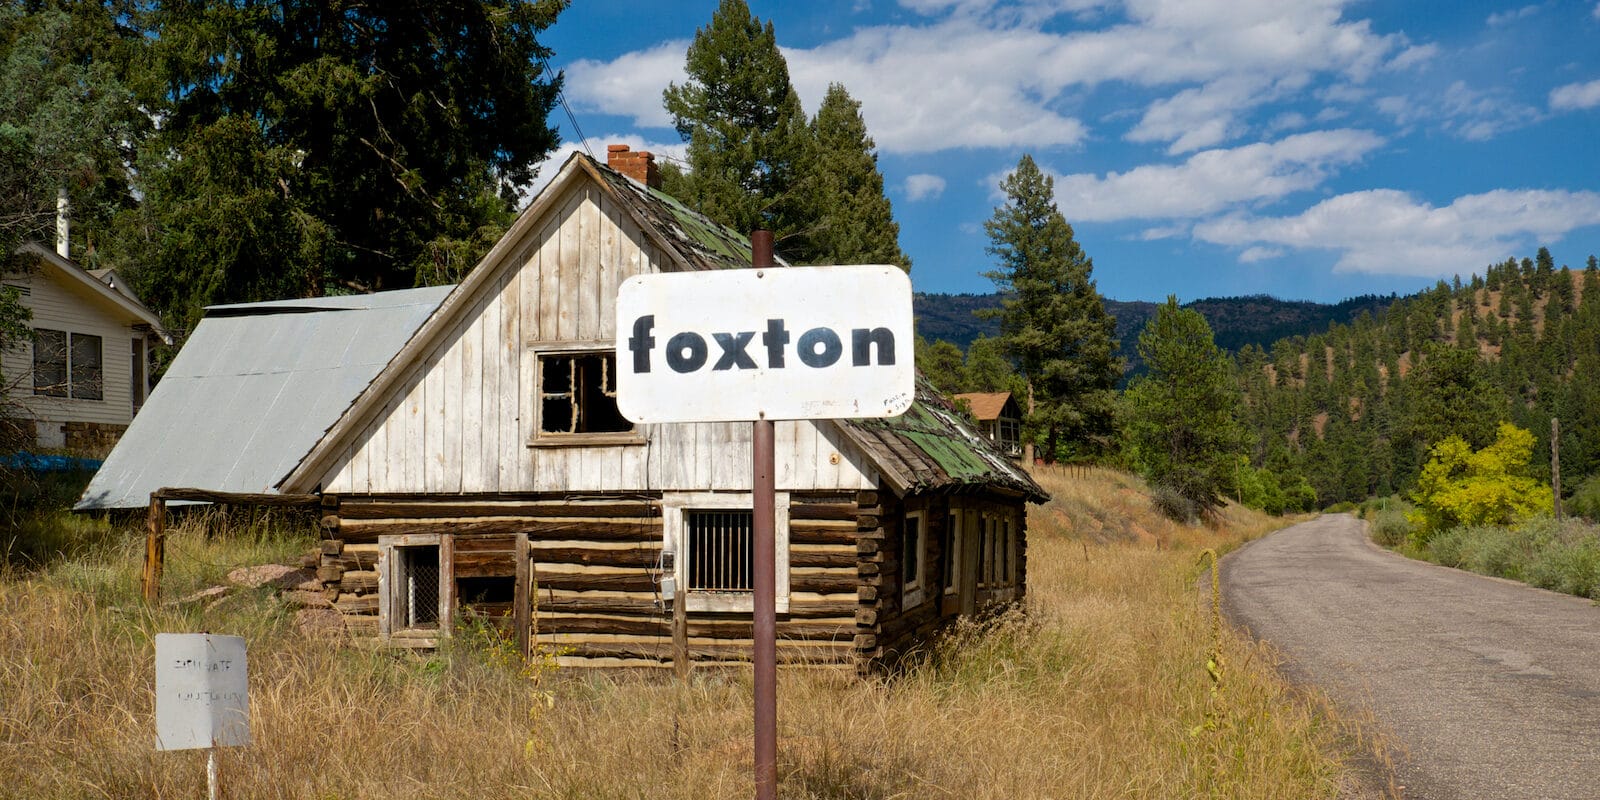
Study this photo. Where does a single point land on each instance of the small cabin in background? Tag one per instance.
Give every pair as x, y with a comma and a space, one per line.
485, 471
998, 417
78, 384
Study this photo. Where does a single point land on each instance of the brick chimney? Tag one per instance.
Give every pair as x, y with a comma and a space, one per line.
640, 166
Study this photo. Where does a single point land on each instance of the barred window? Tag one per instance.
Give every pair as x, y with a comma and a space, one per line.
720, 550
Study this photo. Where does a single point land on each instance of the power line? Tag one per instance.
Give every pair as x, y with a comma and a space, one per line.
561, 97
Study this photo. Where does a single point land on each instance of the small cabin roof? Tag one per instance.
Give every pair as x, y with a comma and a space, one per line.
931, 448
252, 390
985, 406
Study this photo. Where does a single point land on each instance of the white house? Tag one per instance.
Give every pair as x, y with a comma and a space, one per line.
86, 373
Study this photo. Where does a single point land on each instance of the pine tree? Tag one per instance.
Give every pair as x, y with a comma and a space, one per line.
851, 218
1179, 418
1053, 323
341, 147
748, 136
987, 370
941, 363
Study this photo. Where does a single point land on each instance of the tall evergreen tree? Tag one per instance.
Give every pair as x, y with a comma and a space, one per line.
1053, 323
748, 136
1180, 418
355, 147
851, 221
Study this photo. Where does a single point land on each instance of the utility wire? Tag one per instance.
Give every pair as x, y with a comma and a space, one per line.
561, 97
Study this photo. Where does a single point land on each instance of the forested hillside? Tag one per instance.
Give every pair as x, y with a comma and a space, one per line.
1236, 321
1355, 407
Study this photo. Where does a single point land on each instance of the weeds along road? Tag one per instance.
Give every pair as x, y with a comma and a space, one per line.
1490, 689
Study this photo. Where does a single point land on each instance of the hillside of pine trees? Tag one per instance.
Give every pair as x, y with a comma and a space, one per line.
1352, 409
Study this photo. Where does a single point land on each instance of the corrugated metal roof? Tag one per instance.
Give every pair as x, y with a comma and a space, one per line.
253, 390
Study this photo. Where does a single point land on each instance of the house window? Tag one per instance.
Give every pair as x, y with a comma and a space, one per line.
413, 592
720, 550
67, 365
1010, 436
578, 395
713, 536
50, 363
952, 551
911, 559
137, 386
419, 587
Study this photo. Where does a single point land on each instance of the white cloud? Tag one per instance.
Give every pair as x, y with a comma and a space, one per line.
1013, 76
631, 85
1202, 117
1254, 254
1596, 13
1412, 56
1390, 232
1503, 18
1164, 232
1462, 111
923, 187
1575, 96
597, 146
1213, 180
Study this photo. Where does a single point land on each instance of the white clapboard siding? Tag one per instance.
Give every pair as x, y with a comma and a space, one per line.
463, 418
56, 307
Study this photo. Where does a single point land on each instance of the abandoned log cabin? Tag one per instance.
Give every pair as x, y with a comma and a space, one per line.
486, 471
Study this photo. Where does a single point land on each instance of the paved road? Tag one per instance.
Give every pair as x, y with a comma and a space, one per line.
1492, 689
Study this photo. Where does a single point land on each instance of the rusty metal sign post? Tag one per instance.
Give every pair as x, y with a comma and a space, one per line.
760, 345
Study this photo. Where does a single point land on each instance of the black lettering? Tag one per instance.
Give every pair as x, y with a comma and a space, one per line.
862, 338
831, 347
774, 340
733, 354
686, 352
641, 342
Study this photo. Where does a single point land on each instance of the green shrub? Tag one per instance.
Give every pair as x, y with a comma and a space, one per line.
1567, 559
1341, 507
1389, 527
1462, 486
1170, 502
1585, 500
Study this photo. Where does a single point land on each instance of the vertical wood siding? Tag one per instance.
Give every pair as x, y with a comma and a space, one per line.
462, 420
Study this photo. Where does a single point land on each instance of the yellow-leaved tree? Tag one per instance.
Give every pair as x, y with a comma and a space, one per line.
1459, 486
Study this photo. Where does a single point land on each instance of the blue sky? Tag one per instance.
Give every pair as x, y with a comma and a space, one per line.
1308, 149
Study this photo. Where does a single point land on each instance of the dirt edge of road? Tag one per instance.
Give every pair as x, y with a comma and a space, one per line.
1365, 748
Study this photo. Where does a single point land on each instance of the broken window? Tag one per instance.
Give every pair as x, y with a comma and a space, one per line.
578, 394
50, 363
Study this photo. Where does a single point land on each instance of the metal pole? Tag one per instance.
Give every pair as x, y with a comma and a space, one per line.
764, 580
212, 784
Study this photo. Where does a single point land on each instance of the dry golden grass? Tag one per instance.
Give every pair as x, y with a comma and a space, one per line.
1099, 690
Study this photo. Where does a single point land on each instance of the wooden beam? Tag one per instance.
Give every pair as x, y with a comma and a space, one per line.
423, 509
239, 498
522, 611
155, 546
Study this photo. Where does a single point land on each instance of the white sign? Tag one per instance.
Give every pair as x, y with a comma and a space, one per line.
202, 692
774, 343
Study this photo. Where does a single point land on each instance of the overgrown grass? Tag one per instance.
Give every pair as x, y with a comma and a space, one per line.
1100, 689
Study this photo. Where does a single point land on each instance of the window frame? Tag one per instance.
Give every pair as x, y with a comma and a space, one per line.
71, 386
912, 587
542, 438
675, 510
952, 551
391, 567
65, 383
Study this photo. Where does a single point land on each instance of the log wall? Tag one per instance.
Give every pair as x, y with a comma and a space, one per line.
596, 570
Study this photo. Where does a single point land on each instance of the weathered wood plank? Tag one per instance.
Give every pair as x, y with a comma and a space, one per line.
826, 558
584, 581
796, 654
425, 509
537, 529
799, 509
238, 498
358, 581
485, 544
641, 557
831, 582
